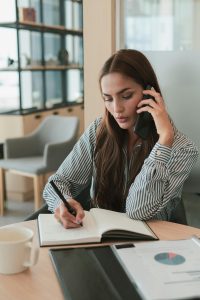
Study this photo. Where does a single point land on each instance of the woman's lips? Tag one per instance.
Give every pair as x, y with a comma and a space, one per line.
122, 120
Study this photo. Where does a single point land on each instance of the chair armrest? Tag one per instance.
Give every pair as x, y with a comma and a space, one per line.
42, 210
20, 147
55, 153
179, 214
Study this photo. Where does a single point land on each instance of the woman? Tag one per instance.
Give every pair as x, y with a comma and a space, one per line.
142, 177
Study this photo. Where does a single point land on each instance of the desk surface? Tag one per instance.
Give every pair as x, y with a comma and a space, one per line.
40, 282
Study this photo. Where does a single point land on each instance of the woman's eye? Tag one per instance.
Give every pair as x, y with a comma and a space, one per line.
107, 99
128, 96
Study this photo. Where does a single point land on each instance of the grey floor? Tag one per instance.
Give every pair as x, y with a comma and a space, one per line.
18, 211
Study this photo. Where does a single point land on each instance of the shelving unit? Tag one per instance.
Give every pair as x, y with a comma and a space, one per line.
48, 56
36, 80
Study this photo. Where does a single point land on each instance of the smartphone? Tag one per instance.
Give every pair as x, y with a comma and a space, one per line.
144, 122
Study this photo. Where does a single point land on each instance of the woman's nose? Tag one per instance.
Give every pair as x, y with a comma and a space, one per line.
118, 106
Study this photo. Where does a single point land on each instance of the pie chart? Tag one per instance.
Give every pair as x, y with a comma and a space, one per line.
169, 258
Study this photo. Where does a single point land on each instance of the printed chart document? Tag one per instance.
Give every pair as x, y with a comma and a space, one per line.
164, 270
97, 224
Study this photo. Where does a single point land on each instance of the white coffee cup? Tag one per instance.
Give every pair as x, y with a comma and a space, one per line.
17, 251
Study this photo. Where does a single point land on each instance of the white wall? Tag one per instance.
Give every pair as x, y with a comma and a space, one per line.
179, 77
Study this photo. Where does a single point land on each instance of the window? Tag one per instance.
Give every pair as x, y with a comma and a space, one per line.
159, 25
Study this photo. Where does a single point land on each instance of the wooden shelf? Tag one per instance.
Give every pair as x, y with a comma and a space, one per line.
45, 68
53, 68
41, 27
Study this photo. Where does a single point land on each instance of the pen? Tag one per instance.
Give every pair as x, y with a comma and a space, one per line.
67, 205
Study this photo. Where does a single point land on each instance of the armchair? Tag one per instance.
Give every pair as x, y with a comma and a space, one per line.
38, 153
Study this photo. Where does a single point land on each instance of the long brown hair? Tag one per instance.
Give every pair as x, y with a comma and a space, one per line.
110, 189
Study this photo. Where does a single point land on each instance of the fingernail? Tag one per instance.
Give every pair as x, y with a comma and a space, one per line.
59, 221
79, 222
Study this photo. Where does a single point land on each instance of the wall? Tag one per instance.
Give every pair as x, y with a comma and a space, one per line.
178, 73
99, 44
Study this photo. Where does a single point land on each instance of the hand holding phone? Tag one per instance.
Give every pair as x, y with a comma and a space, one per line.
144, 123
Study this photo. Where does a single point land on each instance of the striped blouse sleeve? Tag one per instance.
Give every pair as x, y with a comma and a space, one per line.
161, 178
75, 172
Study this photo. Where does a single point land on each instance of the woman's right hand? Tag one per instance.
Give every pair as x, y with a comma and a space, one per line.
65, 218
160, 115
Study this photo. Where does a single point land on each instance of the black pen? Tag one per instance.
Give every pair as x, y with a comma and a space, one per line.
67, 205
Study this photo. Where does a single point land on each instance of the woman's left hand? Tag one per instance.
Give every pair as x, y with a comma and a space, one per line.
159, 113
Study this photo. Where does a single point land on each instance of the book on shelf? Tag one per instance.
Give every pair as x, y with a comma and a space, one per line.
27, 14
98, 225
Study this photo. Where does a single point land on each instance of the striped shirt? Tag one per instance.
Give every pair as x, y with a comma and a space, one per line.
156, 189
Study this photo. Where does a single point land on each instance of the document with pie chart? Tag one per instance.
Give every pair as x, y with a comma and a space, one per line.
164, 270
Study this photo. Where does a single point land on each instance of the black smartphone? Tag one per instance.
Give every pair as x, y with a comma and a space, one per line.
144, 122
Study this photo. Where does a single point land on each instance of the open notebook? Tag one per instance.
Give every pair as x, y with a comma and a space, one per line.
98, 224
